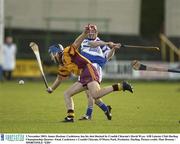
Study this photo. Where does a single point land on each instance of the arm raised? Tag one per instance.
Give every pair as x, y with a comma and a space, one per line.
81, 37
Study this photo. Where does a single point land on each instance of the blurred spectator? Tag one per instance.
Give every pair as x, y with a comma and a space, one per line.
9, 57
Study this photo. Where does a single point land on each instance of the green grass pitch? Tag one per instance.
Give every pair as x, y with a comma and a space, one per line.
153, 108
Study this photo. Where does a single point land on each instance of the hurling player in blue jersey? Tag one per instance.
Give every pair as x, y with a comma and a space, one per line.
94, 49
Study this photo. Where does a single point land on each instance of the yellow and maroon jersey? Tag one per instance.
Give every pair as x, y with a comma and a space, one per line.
74, 62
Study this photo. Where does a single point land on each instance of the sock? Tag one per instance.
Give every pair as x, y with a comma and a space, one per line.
89, 111
117, 87
70, 113
102, 106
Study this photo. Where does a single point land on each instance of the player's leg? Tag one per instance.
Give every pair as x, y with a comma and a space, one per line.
97, 92
90, 78
105, 108
89, 110
74, 89
94, 88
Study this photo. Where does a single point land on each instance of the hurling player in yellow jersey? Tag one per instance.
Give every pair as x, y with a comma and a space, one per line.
72, 62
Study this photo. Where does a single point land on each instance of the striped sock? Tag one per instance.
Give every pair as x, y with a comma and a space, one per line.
117, 87
103, 106
89, 111
70, 113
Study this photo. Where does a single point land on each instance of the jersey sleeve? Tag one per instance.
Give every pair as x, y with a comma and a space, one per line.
69, 69
72, 49
64, 71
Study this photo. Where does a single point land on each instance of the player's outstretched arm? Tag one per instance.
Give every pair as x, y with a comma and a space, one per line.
102, 43
55, 84
113, 47
97, 43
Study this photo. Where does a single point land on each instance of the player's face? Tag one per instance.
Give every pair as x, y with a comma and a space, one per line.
57, 58
54, 57
92, 34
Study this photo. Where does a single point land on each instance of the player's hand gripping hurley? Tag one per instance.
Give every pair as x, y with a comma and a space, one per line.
35, 49
136, 65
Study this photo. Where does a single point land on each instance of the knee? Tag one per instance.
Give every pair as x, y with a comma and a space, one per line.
97, 101
67, 94
95, 95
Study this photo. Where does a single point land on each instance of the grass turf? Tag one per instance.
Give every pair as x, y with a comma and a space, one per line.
153, 108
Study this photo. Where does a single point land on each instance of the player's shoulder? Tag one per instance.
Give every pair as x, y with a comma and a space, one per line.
72, 46
66, 49
71, 49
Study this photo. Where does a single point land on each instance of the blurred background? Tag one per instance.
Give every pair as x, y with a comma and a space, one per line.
134, 22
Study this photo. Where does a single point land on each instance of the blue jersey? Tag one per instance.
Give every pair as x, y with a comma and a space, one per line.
95, 55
